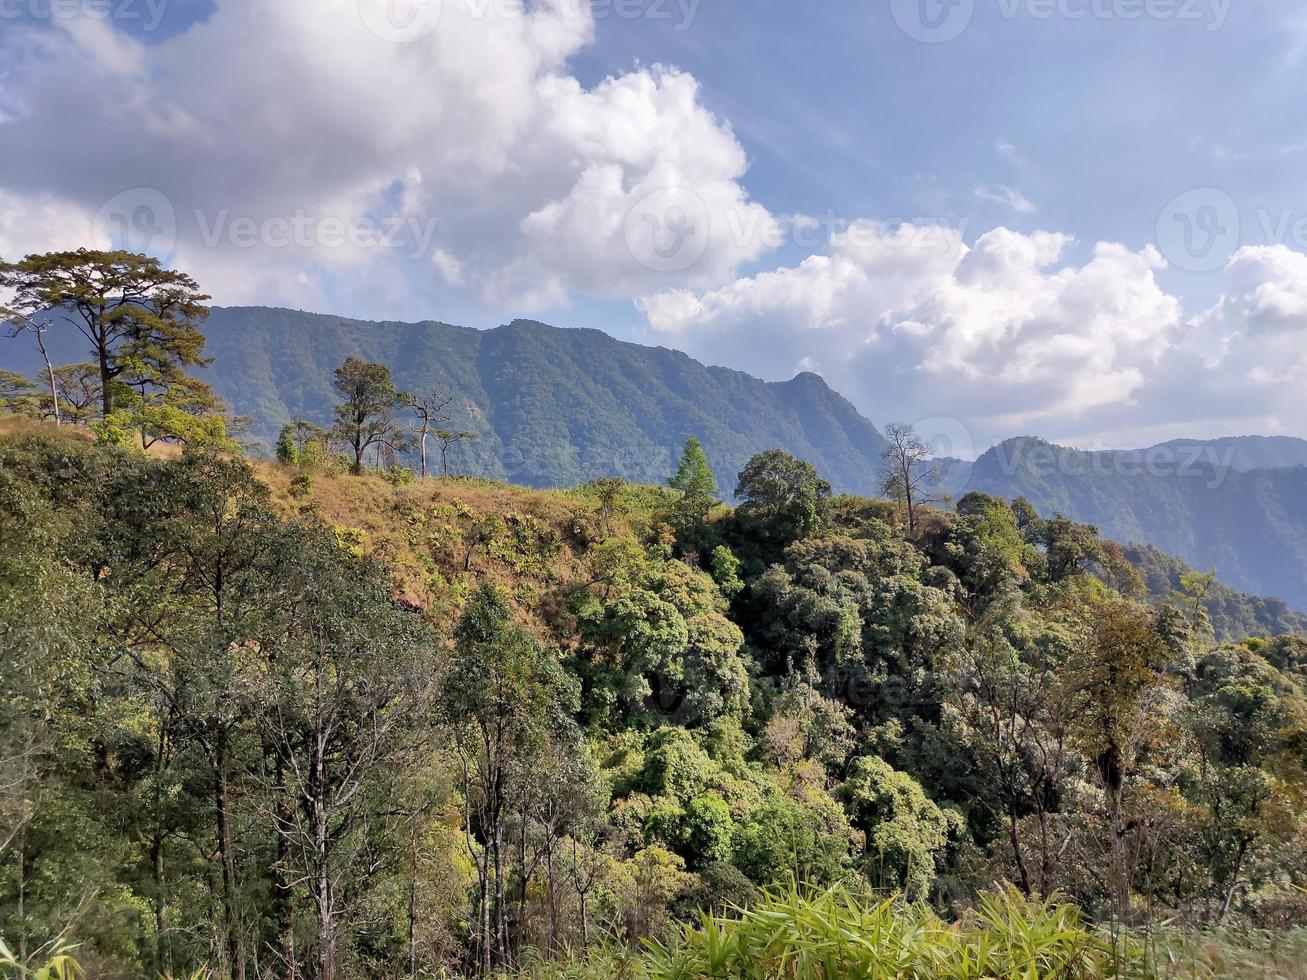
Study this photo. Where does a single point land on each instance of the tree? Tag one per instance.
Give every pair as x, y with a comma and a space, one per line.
907, 474
348, 679
429, 407
1191, 598
302, 444
77, 387
904, 831
694, 479
18, 324
15, 392
658, 641
172, 407
366, 416
447, 440
1245, 722
130, 309
784, 495
1010, 707
1118, 662
189, 550
505, 699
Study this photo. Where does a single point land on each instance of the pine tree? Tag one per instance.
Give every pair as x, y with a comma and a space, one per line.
140, 319
694, 478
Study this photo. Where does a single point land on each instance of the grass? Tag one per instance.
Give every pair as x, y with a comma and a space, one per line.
838, 933
809, 935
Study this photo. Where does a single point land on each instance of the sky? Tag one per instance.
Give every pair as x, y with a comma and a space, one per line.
1079, 219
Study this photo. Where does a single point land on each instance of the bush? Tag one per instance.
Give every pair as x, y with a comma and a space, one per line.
838, 933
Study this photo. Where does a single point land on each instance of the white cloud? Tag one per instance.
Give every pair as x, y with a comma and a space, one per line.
449, 267
40, 222
1007, 196
271, 112
1267, 296
1009, 152
1005, 335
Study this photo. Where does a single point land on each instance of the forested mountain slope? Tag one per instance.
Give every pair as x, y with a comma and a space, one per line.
1237, 452
550, 407
1251, 526
554, 407
547, 723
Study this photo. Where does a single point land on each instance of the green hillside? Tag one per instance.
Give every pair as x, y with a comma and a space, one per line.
1251, 526
551, 407
508, 731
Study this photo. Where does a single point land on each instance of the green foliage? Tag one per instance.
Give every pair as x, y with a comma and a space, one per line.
17, 393
694, 479
60, 964
708, 828
697, 486
657, 641
905, 832
783, 497
726, 571
580, 740
837, 933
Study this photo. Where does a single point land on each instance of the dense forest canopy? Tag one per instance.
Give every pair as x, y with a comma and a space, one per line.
345, 725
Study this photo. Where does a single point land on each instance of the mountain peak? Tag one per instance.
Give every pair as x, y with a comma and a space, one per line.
551, 406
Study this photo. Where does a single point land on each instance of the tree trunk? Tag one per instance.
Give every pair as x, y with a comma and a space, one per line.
160, 905
281, 885
907, 495
235, 943
321, 873
1017, 853
413, 901
1234, 884
483, 871
49, 372
501, 898
106, 395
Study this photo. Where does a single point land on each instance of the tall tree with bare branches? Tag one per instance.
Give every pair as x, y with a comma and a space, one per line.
908, 473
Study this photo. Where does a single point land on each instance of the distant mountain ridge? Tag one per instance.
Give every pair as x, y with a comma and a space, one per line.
551, 407
1235, 452
1248, 524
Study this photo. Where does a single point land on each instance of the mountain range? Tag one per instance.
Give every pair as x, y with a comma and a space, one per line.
554, 407
1195, 503
549, 407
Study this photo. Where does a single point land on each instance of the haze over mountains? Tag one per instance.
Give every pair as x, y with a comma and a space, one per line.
557, 407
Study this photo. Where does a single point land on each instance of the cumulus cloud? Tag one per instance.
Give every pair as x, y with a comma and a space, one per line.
303, 151
300, 153
1005, 334
42, 223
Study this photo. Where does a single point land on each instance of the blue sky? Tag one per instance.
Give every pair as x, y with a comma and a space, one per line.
1084, 219
1107, 118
